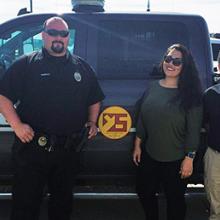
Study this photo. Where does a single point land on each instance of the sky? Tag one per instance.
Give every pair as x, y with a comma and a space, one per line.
209, 9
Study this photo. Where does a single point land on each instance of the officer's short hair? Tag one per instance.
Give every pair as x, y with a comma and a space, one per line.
55, 17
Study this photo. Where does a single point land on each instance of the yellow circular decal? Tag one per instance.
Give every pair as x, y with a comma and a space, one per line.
114, 122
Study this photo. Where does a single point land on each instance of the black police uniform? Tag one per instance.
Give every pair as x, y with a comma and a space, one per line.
52, 95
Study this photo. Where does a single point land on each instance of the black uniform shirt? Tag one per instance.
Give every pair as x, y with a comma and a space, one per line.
212, 115
54, 93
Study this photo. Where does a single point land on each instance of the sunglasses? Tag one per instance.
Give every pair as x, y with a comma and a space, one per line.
175, 61
55, 33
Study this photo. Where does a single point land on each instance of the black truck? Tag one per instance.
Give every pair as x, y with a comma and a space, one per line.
124, 50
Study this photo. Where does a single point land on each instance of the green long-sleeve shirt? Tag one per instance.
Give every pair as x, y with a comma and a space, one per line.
171, 132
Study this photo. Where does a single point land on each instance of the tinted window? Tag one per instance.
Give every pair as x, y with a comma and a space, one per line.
215, 50
23, 40
127, 49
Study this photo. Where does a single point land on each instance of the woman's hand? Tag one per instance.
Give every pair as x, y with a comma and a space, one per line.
137, 151
137, 155
186, 168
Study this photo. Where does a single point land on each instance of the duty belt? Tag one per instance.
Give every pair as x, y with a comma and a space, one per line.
50, 142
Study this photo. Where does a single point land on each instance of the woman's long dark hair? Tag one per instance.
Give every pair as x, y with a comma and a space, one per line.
189, 86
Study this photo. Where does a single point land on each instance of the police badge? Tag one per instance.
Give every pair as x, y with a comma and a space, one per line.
77, 76
42, 141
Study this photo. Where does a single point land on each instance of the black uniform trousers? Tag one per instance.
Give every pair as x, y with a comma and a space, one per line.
151, 175
34, 168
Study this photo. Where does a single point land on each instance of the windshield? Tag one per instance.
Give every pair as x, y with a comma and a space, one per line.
23, 40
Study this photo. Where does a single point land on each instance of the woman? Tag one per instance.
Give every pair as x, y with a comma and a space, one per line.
168, 133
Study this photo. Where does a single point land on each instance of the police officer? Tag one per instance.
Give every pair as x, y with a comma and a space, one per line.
56, 95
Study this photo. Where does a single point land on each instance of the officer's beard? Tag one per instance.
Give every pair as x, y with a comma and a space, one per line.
57, 47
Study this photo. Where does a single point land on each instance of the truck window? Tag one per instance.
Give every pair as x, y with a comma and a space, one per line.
215, 46
23, 40
127, 50
215, 50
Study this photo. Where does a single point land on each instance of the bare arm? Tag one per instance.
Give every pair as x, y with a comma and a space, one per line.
23, 131
8, 111
92, 119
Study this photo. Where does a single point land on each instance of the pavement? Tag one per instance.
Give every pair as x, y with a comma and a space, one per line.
119, 209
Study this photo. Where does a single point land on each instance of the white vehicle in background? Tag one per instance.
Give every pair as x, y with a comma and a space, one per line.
215, 44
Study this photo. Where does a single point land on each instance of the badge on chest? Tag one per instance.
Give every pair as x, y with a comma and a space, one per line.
77, 76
